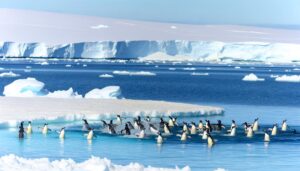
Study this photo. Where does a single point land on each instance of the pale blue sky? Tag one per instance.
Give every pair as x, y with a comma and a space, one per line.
243, 12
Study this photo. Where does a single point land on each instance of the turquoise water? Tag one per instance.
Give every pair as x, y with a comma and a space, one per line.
271, 101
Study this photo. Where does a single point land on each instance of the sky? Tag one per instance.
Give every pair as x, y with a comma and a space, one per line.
281, 13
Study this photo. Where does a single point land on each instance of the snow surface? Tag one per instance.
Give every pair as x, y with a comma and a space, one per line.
30, 87
143, 73
252, 77
15, 163
9, 74
288, 78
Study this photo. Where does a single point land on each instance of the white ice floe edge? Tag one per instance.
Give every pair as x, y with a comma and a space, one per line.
96, 117
14, 163
252, 77
288, 78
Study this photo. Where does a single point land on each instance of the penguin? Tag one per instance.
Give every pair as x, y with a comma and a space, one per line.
250, 132
104, 123
21, 130
246, 126
153, 129
135, 124
119, 120
284, 126
141, 126
274, 130
232, 131
266, 137
62, 133
126, 129
111, 129
185, 127
233, 124
90, 135
141, 135
148, 119
210, 140
255, 125
29, 128
162, 123
183, 136
45, 129
208, 126
167, 128
172, 121
193, 129
86, 125
205, 133
200, 125
219, 126
159, 139
130, 126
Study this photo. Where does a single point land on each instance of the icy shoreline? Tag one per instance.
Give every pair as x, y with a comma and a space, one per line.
15, 109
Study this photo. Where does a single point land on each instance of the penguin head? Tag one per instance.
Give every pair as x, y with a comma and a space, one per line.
256, 119
193, 123
284, 121
62, 128
29, 122
118, 116
233, 121
200, 121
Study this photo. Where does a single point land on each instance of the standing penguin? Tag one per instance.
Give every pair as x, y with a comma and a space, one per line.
126, 129
233, 124
153, 129
141, 135
193, 128
205, 133
167, 128
200, 126
250, 132
29, 128
208, 126
284, 126
45, 129
159, 139
119, 120
90, 135
255, 125
210, 140
183, 136
266, 137
86, 125
185, 127
232, 131
62, 133
274, 130
21, 130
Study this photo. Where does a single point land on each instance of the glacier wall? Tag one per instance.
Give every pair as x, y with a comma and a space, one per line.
192, 50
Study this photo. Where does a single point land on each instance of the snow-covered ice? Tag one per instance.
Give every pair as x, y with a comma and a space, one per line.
106, 76
109, 92
252, 77
142, 73
288, 78
9, 74
64, 94
15, 163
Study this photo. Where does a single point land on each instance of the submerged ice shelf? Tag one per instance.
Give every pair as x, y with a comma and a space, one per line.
172, 50
14, 109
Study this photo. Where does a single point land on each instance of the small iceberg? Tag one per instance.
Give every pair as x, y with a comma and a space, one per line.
44, 63
189, 69
64, 94
68, 66
106, 76
142, 73
9, 74
288, 78
109, 92
172, 69
252, 77
199, 73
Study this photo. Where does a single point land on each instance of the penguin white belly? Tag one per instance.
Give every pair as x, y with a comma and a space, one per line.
183, 137
210, 142
142, 134
29, 129
171, 123
193, 130
204, 136
233, 132
90, 135
250, 133
274, 131
62, 134
267, 137
136, 126
255, 126
166, 130
45, 130
284, 127
119, 121
200, 126
154, 131
159, 140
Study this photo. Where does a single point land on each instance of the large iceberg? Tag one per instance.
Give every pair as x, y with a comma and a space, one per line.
204, 51
109, 92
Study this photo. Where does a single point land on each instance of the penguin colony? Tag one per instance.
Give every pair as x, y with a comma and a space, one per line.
161, 130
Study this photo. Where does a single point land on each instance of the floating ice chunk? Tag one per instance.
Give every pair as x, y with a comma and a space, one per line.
106, 76
199, 73
68, 65
64, 94
84, 65
252, 77
296, 69
172, 69
274, 76
189, 69
237, 67
13, 163
9, 74
1, 68
29, 87
28, 67
288, 78
44, 63
144, 73
109, 92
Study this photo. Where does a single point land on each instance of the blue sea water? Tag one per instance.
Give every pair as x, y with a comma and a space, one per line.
269, 100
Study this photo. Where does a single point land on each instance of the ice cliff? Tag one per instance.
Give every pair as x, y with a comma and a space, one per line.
204, 51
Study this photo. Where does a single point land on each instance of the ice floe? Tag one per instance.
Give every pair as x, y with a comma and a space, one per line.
143, 73
252, 77
15, 163
189, 69
9, 74
199, 73
106, 76
64, 94
288, 78
109, 92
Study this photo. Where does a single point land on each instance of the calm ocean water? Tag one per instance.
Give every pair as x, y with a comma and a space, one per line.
269, 100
